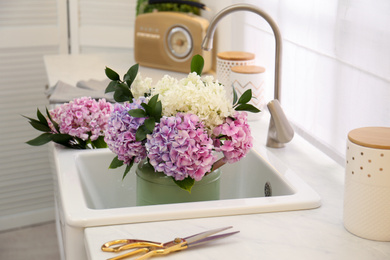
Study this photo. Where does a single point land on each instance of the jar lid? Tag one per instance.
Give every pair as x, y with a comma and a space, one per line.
236, 55
372, 137
250, 69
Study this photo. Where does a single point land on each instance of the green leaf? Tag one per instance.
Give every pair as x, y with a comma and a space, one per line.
29, 118
153, 108
111, 86
197, 64
138, 112
76, 143
111, 74
185, 184
115, 163
150, 124
148, 109
157, 111
38, 125
99, 143
42, 118
235, 97
128, 167
153, 101
245, 97
141, 133
61, 138
131, 75
40, 140
247, 107
52, 121
122, 93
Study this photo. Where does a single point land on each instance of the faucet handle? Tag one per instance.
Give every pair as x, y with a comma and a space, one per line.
280, 130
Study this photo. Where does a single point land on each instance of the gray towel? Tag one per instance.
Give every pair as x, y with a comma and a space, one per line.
93, 84
63, 92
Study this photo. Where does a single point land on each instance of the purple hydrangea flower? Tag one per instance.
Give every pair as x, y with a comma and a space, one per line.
233, 138
120, 133
180, 147
83, 117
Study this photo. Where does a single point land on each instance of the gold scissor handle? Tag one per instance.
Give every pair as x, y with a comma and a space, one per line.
173, 246
149, 248
134, 252
124, 244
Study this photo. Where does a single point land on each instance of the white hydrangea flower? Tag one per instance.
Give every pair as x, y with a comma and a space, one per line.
141, 86
205, 98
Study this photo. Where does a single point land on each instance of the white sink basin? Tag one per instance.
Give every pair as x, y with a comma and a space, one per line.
104, 188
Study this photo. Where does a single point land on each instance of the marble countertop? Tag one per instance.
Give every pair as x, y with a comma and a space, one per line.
306, 234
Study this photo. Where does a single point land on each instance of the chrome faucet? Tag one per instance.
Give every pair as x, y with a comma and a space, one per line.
280, 130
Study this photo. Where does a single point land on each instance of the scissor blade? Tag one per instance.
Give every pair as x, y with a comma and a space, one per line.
211, 238
205, 234
199, 236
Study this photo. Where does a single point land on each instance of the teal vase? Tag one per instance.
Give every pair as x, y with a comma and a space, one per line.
154, 188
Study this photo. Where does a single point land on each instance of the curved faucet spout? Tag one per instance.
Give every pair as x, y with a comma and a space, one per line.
207, 43
280, 130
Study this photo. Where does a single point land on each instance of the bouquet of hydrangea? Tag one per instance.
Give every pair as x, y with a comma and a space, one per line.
177, 125
79, 124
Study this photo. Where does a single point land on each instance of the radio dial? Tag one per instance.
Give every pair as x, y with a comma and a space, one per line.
179, 42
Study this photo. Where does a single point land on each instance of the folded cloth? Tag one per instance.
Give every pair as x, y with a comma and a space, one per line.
93, 84
63, 92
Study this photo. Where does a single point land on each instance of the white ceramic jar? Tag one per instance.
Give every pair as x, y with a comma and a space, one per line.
367, 183
227, 60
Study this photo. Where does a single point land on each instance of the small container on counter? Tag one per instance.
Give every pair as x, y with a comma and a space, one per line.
367, 183
227, 60
251, 77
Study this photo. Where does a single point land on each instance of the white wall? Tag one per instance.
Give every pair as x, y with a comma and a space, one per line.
336, 63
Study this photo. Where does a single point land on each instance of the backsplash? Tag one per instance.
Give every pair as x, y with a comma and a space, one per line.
335, 64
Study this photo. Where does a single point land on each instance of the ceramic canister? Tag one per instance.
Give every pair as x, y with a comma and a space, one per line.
251, 77
227, 60
367, 183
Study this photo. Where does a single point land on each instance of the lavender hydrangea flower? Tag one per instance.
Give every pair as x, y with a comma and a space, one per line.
233, 138
121, 130
84, 118
180, 147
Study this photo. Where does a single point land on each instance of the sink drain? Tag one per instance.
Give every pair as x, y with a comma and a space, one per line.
267, 189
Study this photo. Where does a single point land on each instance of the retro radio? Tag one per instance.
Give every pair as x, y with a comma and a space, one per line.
169, 40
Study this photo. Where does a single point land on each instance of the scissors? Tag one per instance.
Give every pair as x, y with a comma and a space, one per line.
150, 248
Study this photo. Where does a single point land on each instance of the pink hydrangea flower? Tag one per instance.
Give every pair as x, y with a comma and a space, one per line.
84, 118
180, 147
233, 138
120, 133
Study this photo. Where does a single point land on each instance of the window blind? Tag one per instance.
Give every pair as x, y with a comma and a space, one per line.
101, 26
29, 30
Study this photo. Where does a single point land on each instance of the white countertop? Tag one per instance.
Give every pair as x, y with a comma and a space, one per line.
306, 234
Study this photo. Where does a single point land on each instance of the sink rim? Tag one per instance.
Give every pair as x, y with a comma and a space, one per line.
79, 214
